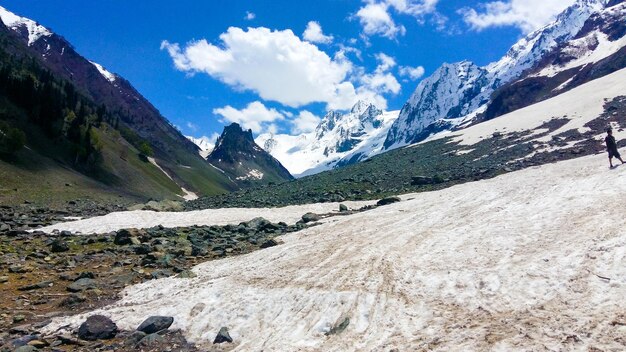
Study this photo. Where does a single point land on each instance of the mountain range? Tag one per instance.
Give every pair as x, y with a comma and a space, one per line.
584, 42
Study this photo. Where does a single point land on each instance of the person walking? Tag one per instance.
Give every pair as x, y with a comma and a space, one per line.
611, 147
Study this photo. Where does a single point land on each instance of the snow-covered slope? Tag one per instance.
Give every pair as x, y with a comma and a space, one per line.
27, 27
338, 139
456, 93
525, 261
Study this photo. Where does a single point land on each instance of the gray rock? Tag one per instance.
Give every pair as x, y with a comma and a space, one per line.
122, 237
134, 338
4, 279
82, 285
36, 286
269, 243
388, 200
309, 217
58, 246
343, 207
26, 348
97, 327
152, 340
155, 324
339, 328
24, 340
223, 336
186, 274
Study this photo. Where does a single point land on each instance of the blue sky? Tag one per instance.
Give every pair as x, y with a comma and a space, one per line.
204, 64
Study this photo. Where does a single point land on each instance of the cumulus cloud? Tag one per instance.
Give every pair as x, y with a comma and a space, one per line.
249, 16
412, 72
314, 34
305, 122
275, 64
255, 116
381, 80
376, 19
528, 15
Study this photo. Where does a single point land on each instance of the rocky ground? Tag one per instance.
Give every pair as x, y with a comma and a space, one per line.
47, 275
27, 216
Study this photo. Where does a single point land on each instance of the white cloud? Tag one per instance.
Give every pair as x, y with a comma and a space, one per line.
376, 19
528, 15
249, 16
381, 80
192, 126
255, 116
305, 122
412, 72
385, 61
314, 34
276, 65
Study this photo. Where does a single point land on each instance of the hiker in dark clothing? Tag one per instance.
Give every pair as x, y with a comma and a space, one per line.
611, 147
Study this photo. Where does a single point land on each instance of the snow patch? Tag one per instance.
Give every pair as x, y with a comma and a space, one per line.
106, 74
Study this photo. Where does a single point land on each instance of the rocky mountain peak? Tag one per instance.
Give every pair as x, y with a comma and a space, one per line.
241, 158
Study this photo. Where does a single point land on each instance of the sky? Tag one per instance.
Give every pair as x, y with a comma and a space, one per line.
279, 65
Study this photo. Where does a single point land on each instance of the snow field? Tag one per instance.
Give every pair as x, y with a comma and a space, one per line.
530, 260
146, 218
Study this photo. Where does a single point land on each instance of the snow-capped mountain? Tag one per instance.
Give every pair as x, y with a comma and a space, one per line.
456, 93
204, 143
339, 139
27, 28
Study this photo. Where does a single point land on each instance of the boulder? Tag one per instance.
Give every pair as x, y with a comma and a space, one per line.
58, 246
122, 237
155, 324
310, 217
388, 200
223, 336
343, 208
97, 327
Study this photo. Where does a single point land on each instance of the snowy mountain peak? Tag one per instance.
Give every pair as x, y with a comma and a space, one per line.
456, 93
28, 27
205, 144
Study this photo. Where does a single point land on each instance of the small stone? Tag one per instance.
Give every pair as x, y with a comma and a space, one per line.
151, 340
339, 328
134, 338
97, 327
155, 324
26, 348
39, 343
58, 246
343, 207
4, 279
186, 274
18, 269
36, 286
18, 318
72, 300
223, 336
309, 217
82, 285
